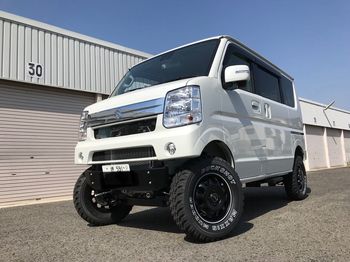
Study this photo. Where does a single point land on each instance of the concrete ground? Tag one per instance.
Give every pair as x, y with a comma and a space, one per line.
272, 229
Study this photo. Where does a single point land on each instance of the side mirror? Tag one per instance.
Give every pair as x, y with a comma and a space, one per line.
129, 81
237, 73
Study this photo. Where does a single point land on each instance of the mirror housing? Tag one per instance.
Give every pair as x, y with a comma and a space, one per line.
237, 73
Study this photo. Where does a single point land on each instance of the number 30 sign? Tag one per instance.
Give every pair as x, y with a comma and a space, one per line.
34, 70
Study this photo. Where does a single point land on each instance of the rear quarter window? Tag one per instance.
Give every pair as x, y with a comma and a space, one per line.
287, 92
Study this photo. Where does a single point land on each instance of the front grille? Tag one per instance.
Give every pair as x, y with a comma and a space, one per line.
124, 129
125, 153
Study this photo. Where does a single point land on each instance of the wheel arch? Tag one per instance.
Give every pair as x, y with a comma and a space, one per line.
299, 147
219, 149
299, 152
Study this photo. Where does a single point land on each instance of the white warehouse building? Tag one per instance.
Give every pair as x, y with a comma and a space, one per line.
327, 135
48, 75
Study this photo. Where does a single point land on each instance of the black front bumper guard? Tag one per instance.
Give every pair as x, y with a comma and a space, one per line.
146, 184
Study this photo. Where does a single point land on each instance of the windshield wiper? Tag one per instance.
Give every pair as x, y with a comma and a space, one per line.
170, 80
178, 78
131, 90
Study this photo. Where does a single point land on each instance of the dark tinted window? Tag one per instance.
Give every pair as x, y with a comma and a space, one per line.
287, 91
266, 84
232, 57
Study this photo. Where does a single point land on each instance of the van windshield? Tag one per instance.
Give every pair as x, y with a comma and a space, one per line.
186, 62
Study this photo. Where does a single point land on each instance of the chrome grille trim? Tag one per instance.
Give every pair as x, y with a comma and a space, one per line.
137, 110
125, 128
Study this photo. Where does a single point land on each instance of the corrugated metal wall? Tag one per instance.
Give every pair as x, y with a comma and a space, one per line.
67, 61
38, 133
39, 123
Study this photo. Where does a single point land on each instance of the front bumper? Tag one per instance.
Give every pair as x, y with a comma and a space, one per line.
186, 139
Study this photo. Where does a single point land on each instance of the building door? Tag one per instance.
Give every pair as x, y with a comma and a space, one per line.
316, 155
38, 133
335, 147
347, 146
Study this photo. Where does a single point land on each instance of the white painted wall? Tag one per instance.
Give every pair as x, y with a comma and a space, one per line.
313, 114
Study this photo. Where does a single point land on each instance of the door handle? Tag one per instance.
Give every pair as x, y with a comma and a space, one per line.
267, 111
256, 106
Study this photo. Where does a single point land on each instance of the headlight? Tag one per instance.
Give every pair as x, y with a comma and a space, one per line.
83, 125
183, 107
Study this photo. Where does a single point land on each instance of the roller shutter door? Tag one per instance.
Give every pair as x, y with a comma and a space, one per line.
335, 147
38, 133
315, 147
347, 146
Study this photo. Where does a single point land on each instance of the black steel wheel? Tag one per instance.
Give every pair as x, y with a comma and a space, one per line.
90, 210
212, 198
206, 199
295, 183
301, 179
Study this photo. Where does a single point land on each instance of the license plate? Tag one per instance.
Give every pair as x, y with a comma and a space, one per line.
116, 168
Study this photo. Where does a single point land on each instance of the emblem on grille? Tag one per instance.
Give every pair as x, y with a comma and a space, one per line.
118, 114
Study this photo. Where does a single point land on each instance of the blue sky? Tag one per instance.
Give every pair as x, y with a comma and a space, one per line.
308, 39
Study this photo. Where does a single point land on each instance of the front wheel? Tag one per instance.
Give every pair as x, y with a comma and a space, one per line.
295, 183
206, 199
87, 207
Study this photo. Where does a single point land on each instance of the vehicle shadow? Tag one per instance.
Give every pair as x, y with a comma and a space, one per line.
261, 200
258, 202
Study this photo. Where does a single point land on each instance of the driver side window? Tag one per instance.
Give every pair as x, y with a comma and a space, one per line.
232, 57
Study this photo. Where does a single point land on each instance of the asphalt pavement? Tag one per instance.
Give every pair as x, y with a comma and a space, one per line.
272, 229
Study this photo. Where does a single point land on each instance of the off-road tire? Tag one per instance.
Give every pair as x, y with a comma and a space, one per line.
183, 188
88, 210
295, 183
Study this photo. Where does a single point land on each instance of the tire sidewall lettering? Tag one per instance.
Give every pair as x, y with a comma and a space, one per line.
220, 169
200, 222
231, 217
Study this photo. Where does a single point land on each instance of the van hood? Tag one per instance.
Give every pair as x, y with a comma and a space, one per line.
137, 96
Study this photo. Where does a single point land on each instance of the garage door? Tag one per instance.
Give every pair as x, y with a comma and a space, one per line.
335, 147
315, 147
38, 133
347, 146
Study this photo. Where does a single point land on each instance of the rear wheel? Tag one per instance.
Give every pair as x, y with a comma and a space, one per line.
206, 199
96, 214
295, 183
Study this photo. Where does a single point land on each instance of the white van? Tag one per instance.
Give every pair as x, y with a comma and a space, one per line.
186, 129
